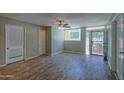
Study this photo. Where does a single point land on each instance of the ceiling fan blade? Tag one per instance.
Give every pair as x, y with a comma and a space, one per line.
67, 26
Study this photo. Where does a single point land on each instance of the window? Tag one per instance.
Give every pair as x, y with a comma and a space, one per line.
72, 35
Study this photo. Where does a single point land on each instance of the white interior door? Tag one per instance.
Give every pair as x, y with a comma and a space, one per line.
42, 42
120, 49
14, 43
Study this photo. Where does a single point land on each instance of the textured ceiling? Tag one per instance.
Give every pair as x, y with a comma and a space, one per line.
49, 19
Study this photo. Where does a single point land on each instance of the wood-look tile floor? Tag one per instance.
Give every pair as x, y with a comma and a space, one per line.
63, 66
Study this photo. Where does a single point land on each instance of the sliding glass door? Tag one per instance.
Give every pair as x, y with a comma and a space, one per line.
97, 43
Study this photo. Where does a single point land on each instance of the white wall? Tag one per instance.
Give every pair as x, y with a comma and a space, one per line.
57, 41
73, 46
111, 28
109, 57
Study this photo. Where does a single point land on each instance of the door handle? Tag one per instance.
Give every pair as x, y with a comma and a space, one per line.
121, 52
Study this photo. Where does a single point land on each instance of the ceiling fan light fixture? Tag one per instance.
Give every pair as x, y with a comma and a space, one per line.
62, 25
60, 28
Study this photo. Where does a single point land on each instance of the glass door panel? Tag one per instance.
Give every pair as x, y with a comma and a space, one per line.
97, 43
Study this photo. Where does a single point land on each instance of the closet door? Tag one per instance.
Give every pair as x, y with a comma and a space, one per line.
31, 42
14, 43
120, 48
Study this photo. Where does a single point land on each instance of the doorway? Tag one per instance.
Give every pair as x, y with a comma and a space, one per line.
97, 38
42, 42
14, 43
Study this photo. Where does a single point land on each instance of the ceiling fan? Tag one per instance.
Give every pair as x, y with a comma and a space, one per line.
62, 24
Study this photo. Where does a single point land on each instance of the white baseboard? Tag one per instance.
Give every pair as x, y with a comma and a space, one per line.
48, 54
24, 59
73, 52
2, 65
53, 54
119, 77
116, 75
42, 54
31, 57
109, 65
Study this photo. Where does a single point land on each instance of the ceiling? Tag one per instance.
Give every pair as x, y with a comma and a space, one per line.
73, 19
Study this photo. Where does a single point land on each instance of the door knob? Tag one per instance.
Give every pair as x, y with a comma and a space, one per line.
7, 48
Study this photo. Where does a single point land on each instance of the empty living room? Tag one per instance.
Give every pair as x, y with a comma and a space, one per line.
61, 46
